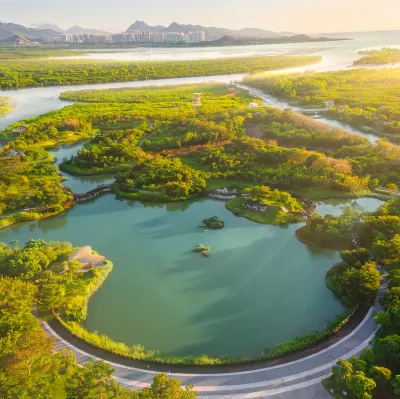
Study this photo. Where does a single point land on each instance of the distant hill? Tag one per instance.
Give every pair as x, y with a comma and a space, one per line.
242, 41
17, 39
141, 25
212, 33
45, 26
77, 30
8, 30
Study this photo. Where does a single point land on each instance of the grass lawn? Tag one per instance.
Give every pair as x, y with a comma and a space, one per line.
227, 183
119, 126
272, 215
316, 193
193, 162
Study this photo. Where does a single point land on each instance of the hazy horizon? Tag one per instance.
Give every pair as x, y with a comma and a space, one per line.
305, 16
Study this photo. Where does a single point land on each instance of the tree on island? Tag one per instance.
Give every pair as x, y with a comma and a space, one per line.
214, 223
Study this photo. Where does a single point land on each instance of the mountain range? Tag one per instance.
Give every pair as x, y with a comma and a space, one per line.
8, 30
212, 33
74, 30
47, 31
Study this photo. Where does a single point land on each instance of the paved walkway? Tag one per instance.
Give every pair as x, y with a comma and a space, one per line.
299, 379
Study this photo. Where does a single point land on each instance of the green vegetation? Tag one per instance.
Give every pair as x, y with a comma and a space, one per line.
291, 129
30, 187
379, 57
38, 273
377, 372
332, 232
18, 73
191, 149
202, 249
356, 280
5, 105
213, 223
263, 205
35, 53
370, 96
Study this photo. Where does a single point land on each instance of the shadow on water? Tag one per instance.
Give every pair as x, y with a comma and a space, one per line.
236, 315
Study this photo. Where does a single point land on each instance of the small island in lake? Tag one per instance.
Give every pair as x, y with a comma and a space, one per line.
204, 250
214, 223
261, 204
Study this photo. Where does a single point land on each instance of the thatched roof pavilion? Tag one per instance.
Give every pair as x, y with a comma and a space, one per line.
85, 256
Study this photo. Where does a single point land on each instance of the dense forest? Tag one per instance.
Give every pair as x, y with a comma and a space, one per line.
379, 57
19, 73
356, 280
369, 97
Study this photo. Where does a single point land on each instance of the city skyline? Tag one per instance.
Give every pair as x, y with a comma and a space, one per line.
308, 16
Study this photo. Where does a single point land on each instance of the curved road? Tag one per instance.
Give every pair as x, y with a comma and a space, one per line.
299, 379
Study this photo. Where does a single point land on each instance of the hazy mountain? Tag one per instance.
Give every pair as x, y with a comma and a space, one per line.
17, 39
53, 27
141, 25
286, 34
77, 30
212, 33
8, 30
244, 41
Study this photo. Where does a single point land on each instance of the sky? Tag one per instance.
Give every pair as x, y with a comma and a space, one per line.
308, 16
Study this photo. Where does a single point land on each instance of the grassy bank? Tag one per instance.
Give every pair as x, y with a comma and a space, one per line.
273, 215
137, 352
33, 73
73, 169
320, 240
5, 105
31, 216
143, 196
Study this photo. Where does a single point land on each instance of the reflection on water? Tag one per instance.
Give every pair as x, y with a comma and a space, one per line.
78, 184
202, 305
334, 206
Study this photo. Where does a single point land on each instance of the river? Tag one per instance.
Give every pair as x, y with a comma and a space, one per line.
252, 291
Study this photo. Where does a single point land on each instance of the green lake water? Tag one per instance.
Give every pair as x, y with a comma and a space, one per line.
260, 285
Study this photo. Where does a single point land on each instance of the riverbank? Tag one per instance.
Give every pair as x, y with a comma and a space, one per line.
6, 106
346, 330
34, 73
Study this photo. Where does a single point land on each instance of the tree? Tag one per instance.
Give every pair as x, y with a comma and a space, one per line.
355, 256
361, 386
367, 354
89, 381
51, 292
16, 302
383, 318
162, 387
386, 250
98, 374
32, 354
388, 351
381, 375
391, 187
396, 385
393, 278
341, 372
27, 263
